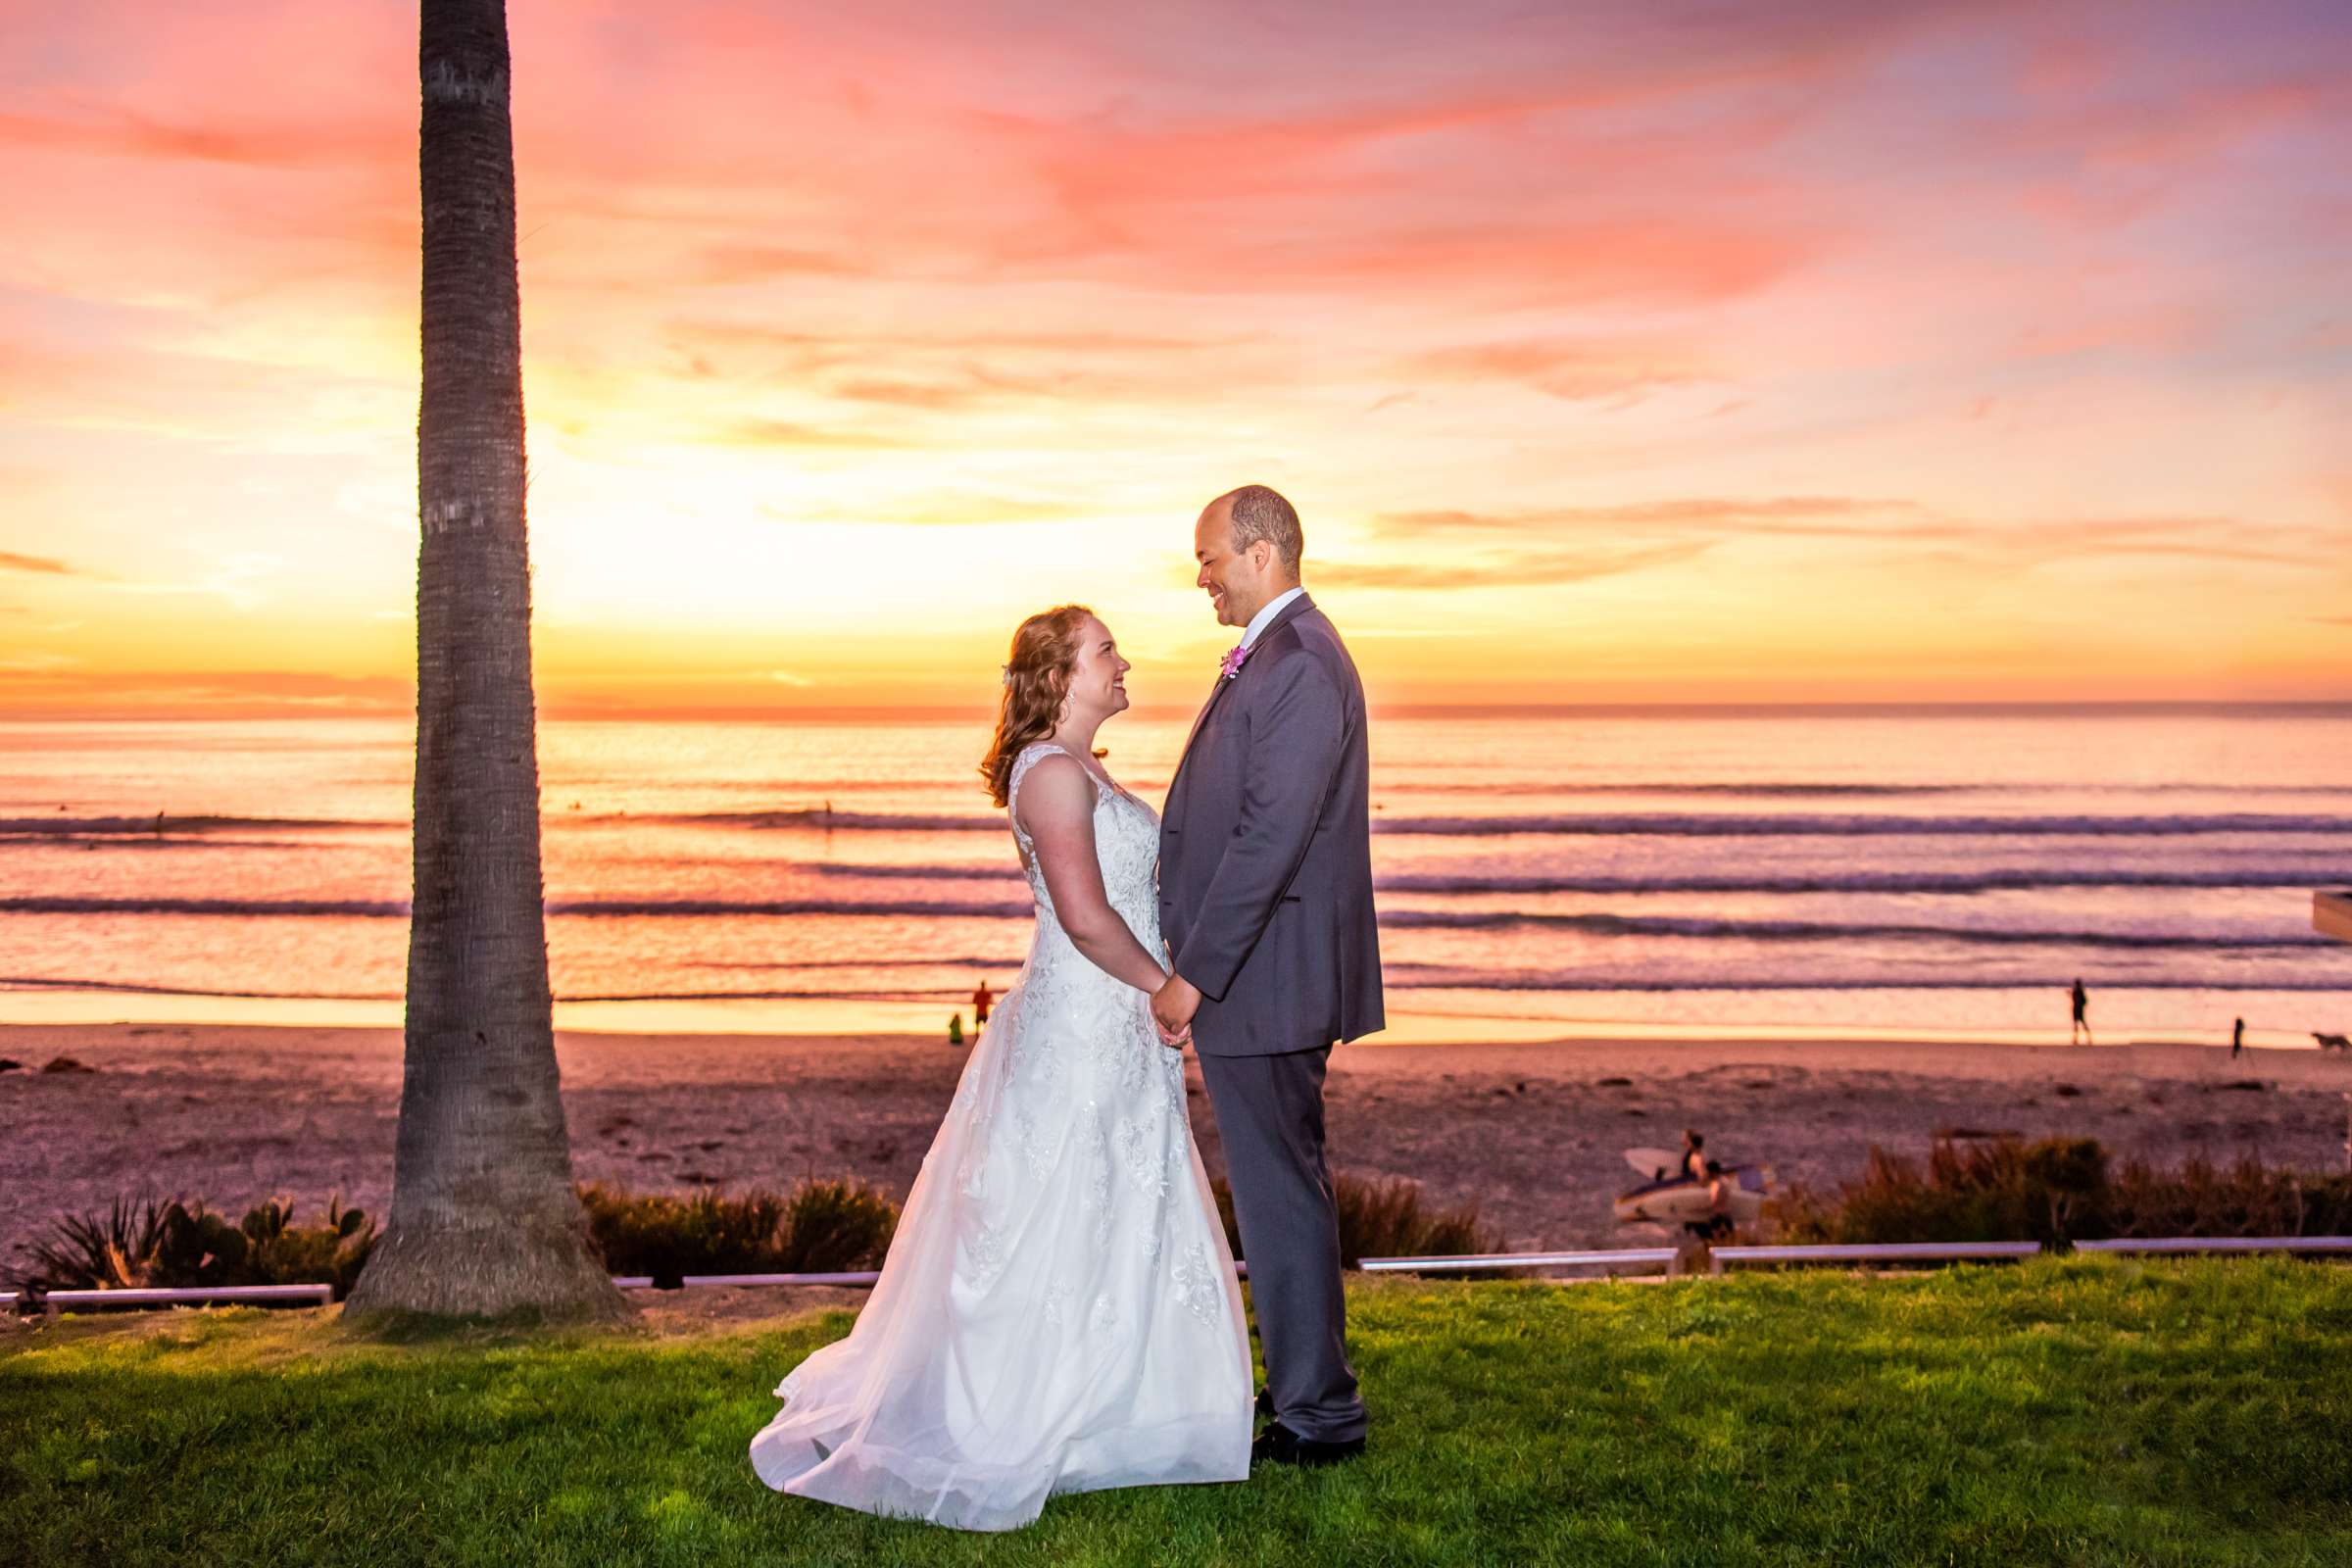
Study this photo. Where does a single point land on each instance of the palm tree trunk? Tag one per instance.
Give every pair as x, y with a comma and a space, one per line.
484, 1219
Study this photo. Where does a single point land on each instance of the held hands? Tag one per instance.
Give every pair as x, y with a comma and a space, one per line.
1172, 1007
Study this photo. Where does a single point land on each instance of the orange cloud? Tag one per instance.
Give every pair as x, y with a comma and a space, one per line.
788, 434
11, 562
1441, 571
1568, 370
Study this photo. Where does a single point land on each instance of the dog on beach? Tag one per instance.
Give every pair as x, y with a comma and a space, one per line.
2333, 1042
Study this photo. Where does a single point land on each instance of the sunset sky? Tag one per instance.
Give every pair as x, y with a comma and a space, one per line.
1629, 352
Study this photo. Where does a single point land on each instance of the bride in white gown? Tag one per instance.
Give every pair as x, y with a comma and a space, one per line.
1059, 1310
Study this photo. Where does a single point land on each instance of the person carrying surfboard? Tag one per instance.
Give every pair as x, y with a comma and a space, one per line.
1699, 1168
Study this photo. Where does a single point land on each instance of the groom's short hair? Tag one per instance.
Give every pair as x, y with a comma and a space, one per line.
1259, 512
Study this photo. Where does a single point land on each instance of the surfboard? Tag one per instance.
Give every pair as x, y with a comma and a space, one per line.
1685, 1201
1655, 1165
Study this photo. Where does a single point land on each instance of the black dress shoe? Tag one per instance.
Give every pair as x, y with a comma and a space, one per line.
1278, 1445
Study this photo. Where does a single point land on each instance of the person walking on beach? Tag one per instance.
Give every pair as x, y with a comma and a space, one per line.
2237, 1038
981, 1001
2079, 1034
1699, 1168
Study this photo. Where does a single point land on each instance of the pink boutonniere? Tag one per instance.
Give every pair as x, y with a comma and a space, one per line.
1231, 665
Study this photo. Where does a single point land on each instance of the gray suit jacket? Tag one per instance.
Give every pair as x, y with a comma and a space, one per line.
1265, 851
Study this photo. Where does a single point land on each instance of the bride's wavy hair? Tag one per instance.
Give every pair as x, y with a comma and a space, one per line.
1037, 681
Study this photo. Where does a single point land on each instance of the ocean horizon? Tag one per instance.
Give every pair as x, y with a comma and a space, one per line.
1866, 870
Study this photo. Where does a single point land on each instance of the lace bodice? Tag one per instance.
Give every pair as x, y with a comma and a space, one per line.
1126, 848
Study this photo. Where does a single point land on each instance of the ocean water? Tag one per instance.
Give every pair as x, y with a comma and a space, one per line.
1924, 872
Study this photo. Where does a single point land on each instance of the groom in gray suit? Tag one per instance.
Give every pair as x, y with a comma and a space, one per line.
1265, 900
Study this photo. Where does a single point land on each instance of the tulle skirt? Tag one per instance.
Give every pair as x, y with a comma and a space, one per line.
1059, 1310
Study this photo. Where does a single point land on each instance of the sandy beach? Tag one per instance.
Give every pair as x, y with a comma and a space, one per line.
1530, 1133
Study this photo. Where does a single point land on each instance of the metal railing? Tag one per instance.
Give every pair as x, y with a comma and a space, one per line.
1468, 1263
1719, 1260
1479, 1262
1721, 1257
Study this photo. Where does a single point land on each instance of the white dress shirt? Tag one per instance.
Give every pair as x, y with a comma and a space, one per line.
1271, 608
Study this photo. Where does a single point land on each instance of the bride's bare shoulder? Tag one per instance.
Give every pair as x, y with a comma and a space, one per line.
1053, 785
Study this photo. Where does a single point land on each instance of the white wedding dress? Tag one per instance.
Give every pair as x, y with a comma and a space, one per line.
1059, 1310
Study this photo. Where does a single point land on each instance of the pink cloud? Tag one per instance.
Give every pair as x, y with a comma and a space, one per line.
1774, 251
122, 134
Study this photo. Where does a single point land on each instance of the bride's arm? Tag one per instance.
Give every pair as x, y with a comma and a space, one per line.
1057, 809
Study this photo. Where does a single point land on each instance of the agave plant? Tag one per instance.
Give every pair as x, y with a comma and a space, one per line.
171, 1243
112, 1250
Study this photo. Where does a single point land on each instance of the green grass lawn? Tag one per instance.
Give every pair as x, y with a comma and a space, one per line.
2078, 1411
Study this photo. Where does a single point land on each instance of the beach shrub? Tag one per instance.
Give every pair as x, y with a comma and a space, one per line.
1993, 1189
170, 1244
2058, 1191
835, 1226
667, 1234
820, 1227
1385, 1219
2246, 1197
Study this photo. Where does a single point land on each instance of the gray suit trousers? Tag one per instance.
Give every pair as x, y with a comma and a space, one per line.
1270, 1119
